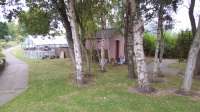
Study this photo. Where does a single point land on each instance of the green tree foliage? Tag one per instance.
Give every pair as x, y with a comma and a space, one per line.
4, 30
183, 44
35, 21
149, 44
170, 45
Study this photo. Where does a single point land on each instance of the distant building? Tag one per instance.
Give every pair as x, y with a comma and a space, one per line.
114, 44
40, 47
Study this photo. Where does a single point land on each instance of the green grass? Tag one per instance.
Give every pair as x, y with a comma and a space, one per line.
178, 65
51, 90
1, 54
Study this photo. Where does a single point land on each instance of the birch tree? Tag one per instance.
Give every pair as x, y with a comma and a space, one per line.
76, 40
103, 60
137, 37
160, 9
191, 62
61, 9
129, 40
160, 40
193, 26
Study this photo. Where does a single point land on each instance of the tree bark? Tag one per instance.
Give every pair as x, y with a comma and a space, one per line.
156, 70
129, 41
61, 7
191, 62
103, 60
139, 54
76, 40
197, 67
138, 31
191, 16
162, 46
193, 26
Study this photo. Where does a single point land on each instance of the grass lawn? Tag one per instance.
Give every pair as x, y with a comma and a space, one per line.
1, 54
51, 90
181, 65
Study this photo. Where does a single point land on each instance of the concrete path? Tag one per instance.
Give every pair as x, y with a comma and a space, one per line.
14, 79
164, 67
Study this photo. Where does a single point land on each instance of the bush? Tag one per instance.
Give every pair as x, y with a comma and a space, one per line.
2, 60
149, 44
176, 46
169, 45
183, 44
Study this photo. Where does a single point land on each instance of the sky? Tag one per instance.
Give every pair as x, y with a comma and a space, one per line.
182, 21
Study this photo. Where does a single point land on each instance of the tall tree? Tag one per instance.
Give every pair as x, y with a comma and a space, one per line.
193, 26
36, 21
60, 8
137, 38
159, 42
160, 9
191, 16
129, 40
191, 62
76, 39
4, 30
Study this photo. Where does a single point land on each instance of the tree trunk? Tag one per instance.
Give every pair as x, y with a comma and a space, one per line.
156, 69
192, 19
61, 7
191, 62
129, 41
193, 26
138, 31
102, 61
76, 40
197, 67
162, 46
139, 54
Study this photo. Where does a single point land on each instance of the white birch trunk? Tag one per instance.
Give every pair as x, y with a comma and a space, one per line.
76, 40
156, 69
137, 35
138, 30
102, 61
129, 45
191, 62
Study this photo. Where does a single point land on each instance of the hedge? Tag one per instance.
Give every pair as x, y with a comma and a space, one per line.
176, 45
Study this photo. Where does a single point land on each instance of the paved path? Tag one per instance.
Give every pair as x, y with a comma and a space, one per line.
14, 79
164, 67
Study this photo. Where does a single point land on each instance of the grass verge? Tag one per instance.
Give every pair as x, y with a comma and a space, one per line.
51, 90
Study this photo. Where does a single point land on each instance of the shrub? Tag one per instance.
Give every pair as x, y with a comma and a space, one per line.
149, 44
183, 44
176, 46
170, 45
1, 54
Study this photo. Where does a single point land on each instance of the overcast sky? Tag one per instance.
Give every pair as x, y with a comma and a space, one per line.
182, 18
182, 21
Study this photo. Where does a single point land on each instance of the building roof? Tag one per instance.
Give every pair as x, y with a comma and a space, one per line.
44, 40
107, 33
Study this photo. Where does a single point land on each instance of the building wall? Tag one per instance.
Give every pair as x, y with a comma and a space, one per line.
110, 46
62, 49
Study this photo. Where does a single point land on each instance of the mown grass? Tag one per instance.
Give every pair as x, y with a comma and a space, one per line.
1, 54
178, 65
51, 89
